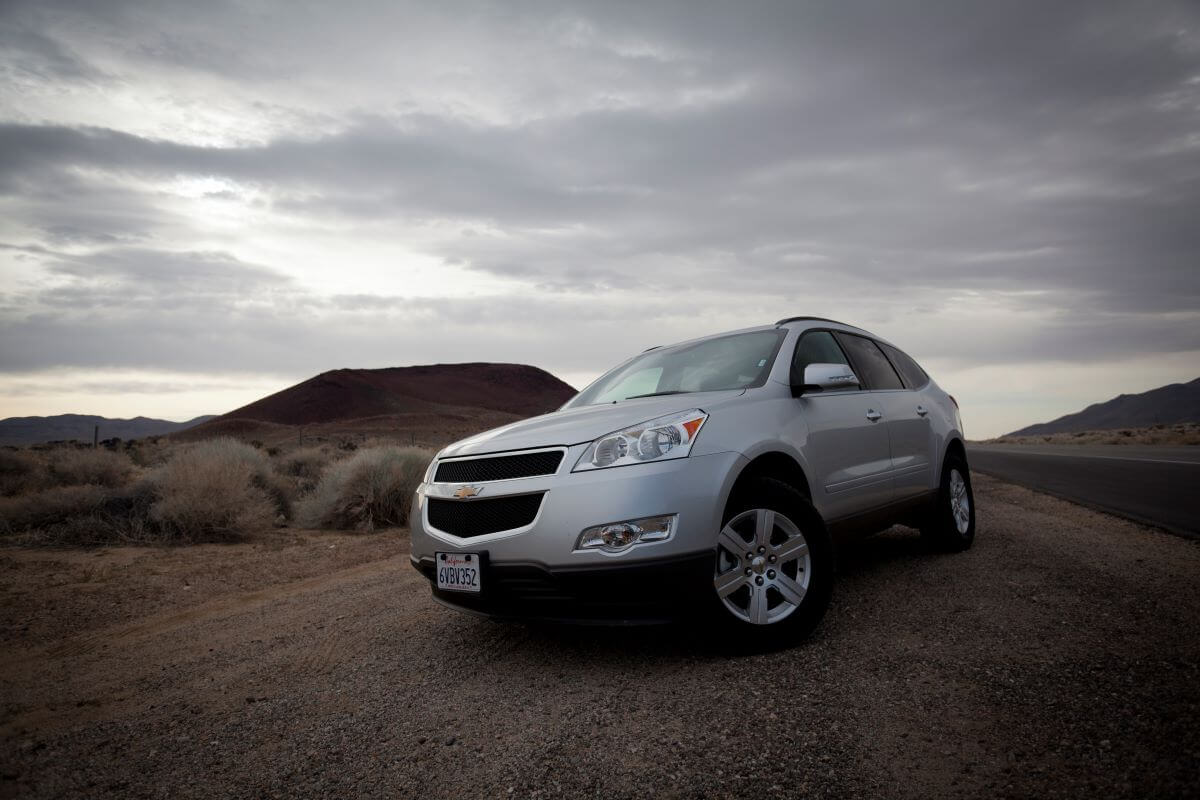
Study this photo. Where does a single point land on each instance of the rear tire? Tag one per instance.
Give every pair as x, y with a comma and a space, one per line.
774, 590
950, 523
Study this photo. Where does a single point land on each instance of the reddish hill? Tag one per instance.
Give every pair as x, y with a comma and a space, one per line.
347, 394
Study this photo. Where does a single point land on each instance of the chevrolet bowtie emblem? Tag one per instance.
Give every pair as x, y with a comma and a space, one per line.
467, 491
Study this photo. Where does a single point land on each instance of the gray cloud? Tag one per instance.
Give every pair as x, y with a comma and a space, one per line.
674, 167
35, 56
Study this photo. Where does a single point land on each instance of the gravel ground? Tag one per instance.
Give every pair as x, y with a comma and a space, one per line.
1058, 658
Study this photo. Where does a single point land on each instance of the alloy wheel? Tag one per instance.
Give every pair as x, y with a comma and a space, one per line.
960, 501
763, 566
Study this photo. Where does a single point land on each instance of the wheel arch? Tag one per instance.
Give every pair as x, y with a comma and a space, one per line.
775, 464
954, 446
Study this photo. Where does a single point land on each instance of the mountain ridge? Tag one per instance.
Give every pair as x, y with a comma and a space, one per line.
80, 427
1166, 405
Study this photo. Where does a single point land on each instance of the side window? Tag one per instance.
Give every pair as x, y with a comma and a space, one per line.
815, 347
914, 377
870, 363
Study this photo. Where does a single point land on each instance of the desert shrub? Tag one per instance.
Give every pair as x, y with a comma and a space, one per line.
307, 462
49, 508
372, 488
88, 516
216, 489
213, 490
20, 472
150, 452
89, 467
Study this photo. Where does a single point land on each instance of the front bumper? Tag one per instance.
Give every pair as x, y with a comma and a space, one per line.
693, 488
543, 552
635, 593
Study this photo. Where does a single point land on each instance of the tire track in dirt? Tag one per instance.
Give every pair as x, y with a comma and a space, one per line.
220, 607
85, 692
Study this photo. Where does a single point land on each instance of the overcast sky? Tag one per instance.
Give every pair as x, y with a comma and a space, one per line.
204, 202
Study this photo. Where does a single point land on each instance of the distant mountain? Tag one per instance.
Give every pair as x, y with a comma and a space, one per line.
64, 427
1167, 405
438, 389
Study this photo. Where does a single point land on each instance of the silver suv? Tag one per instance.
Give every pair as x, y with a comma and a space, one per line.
707, 477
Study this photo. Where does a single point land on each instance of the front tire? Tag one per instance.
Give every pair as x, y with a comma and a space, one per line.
774, 566
950, 523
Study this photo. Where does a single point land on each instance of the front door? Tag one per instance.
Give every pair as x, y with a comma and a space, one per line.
847, 447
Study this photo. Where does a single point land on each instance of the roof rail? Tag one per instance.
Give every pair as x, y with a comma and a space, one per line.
786, 320
648, 349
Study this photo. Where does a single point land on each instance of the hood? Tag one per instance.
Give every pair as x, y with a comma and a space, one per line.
584, 424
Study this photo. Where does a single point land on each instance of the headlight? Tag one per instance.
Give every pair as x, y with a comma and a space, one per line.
657, 440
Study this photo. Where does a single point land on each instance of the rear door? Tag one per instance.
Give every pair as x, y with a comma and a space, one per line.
847, 445
913, 457
908, 428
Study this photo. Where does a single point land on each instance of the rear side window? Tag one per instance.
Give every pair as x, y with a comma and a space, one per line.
815, 347
914, 377
870, 363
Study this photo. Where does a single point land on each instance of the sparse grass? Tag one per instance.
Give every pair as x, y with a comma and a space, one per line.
373, 488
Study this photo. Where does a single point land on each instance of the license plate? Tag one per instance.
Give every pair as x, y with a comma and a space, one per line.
458, 572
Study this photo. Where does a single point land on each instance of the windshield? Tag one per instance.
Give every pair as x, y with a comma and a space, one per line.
737, 361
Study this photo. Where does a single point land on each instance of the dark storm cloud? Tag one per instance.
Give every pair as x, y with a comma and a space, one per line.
1045, 155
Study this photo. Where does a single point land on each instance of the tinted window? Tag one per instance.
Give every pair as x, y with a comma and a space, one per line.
815, 347
870, 364
914, 377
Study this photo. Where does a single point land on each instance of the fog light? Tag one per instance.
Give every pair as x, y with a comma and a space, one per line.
617, 536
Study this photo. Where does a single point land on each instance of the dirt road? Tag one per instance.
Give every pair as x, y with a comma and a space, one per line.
1057, 658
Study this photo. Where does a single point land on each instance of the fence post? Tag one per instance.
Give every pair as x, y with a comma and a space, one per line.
95, 437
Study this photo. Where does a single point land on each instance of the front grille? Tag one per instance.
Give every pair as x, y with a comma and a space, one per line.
499, 468
469, 518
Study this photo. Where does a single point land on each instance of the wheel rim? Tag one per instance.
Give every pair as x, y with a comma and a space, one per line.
763, 566
960, 501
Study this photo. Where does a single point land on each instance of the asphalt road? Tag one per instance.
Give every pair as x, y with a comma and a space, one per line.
1155, 485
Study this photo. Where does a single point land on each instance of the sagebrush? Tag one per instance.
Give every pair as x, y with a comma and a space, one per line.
20, 472
214, 490
370, 489
90, 468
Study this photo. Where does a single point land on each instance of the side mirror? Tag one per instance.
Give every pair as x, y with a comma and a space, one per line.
826, 377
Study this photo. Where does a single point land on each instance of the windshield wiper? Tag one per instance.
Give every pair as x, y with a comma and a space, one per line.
657, 394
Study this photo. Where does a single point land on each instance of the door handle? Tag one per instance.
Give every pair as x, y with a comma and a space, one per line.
873, 415
922, 411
